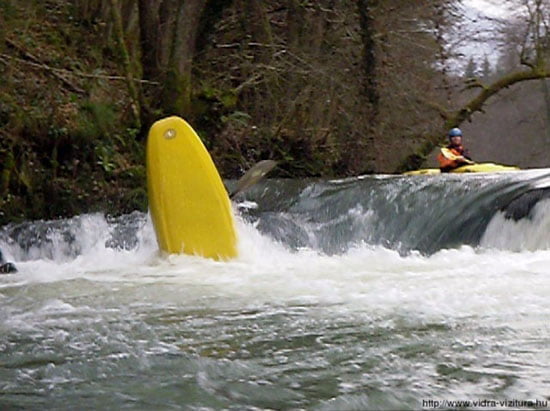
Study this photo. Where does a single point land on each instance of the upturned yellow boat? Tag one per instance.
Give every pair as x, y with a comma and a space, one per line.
189, 205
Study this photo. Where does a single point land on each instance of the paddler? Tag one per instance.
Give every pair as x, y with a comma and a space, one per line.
5, 267
454, 155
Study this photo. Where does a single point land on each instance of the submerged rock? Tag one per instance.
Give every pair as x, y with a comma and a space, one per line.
521, 206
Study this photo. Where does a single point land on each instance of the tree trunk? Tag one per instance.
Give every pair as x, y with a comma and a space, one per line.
546, 92
167, 16
366, 20
149, 34
213, 13
370, 83
257, 24
88, 10
2, 32
295, 24
132, 89
261, 29
179, 82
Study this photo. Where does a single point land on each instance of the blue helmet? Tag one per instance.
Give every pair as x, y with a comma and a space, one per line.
453, 132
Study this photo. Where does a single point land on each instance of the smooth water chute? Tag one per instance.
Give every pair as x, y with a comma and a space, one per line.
403, 213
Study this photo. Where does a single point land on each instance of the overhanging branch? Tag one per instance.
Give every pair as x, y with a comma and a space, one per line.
476, 104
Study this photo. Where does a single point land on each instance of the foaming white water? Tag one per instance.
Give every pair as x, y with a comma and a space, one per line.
369, 281
53, 260
528, 234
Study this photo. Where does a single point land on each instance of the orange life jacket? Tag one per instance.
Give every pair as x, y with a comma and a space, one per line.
446, 164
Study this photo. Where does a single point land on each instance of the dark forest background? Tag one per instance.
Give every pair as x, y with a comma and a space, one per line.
327, 88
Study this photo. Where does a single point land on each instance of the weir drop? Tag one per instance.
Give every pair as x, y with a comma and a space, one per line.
375, 292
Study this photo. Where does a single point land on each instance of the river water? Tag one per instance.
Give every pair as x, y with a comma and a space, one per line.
379, 292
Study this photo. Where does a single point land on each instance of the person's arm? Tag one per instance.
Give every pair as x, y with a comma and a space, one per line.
449, 154
445, 163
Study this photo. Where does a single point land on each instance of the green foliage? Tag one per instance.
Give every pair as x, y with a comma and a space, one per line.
237, 118
105, 154
7, 9
62, 152
228, 99
99, 119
